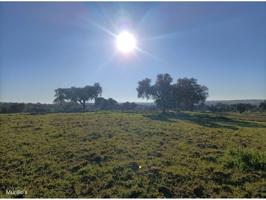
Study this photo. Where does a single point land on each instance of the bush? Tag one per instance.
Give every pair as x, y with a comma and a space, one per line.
105, 104
262, 105
248, 160
128, 106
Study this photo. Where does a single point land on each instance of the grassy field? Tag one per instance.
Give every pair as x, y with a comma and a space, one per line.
112, 154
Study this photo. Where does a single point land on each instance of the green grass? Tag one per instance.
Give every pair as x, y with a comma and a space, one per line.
98, 154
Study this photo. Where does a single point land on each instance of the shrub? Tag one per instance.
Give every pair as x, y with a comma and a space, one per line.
248, 160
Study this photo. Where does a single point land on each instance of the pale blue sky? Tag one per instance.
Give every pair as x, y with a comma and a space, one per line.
44, 46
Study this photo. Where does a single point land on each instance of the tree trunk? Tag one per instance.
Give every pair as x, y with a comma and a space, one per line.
191, 107
164, 110
83, 105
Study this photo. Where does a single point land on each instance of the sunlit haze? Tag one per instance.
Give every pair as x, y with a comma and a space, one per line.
126, 42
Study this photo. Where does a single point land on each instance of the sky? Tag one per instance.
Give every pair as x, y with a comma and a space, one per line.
49, 45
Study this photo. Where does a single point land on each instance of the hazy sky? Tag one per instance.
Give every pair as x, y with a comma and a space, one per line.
44, 46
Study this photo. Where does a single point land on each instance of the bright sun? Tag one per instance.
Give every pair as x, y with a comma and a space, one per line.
126, 42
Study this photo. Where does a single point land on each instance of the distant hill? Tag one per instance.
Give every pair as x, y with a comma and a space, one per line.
250, 101
213, 102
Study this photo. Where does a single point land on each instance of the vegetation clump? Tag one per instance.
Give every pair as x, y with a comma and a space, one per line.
182, 95
248, 160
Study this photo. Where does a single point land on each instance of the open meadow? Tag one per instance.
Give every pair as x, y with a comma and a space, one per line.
123, 154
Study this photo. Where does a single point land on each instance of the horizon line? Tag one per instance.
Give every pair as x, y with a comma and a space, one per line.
138, 102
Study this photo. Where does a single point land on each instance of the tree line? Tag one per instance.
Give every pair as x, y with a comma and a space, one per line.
184, 94
107, 104
111, 104
239, 107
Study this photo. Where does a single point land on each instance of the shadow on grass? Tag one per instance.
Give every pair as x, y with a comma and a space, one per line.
208, 120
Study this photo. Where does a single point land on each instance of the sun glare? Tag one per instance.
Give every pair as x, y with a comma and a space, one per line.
126, 42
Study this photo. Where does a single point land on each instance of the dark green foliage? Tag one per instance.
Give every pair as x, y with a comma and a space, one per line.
240, 107
182, 95
161, 91
78, 95
27, 107
262, 105
165, 191
12, 107
144, 88
128, 106
220, 107
105, 104
188, 92
100, 104
248, 160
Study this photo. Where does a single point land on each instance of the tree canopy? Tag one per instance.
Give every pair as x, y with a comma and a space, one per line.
263, 105
183, 94
188, 92
105, 104
78, 94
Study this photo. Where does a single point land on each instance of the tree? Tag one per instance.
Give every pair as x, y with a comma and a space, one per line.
161, 91
16, 107
128, 106
144, 88
262, 105
60, 95
78, 95
105, 104
185, 93
188, 92
242, 107
97, 90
